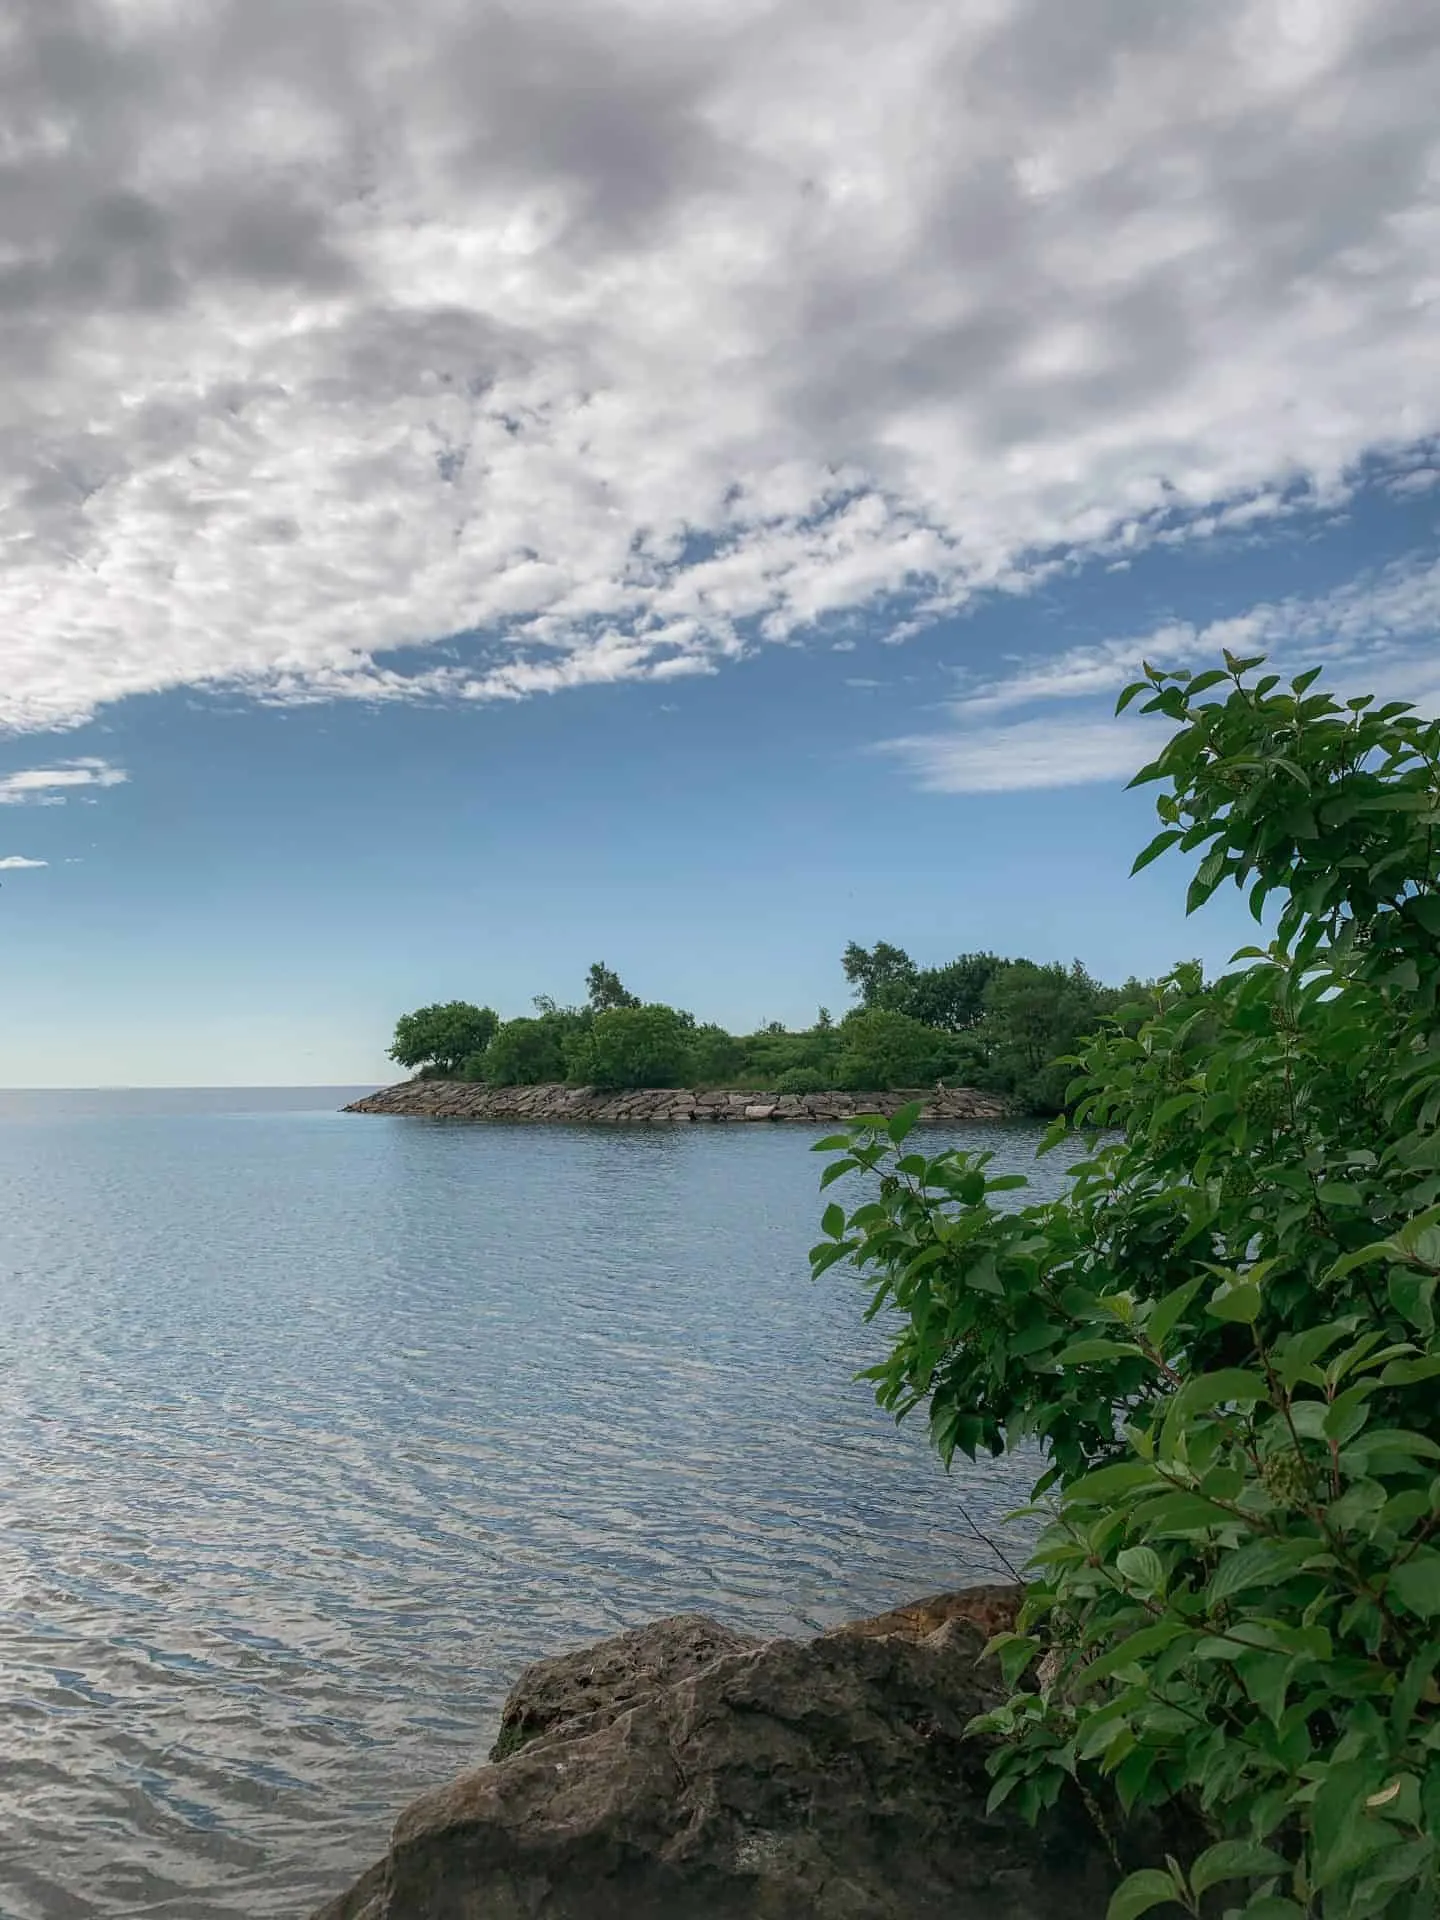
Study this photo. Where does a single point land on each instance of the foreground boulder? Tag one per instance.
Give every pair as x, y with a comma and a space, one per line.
686, 1772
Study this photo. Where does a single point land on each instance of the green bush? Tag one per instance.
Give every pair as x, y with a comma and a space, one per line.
1223, 1336
802, 1080
880, 1049
715, 1056
527, 1052
635, 1047
773, 1052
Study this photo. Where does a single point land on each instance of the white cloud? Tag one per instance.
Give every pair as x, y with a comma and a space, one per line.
53, 786
1384, 627
1379, 634
1030, 754
624, 333
12, 863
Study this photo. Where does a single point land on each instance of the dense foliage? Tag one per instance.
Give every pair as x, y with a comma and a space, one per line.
1223, 1337
1021, 1021
1002, 1025
634, 1046
443, 1037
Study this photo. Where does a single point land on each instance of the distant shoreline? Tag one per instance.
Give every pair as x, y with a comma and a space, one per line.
664, 1106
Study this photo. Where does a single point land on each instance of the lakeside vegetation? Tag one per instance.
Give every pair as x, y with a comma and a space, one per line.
1223, 1339
1004, 1026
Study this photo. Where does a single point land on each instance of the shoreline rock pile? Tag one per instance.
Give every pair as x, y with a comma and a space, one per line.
466, 1100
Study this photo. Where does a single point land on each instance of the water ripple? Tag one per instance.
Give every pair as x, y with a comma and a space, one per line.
314, 1430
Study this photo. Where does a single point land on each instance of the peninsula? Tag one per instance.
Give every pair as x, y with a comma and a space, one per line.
641, 1106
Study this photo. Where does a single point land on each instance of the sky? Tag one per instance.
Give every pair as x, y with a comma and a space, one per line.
488, 488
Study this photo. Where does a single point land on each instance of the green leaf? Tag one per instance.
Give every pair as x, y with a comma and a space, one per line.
1234, 1860
1266, 1679
1238, 1303
904, 1121
1092, 1352
1016, 1652
1225, 1386
1408, 1373
1361, 1257
1105, 1482
833, 1221
1415, 1583
1264, 1563
1139, 1893
1135, 1647
1169, 1309
1221, 1388
1141, 1567
836, 1171
1160, 844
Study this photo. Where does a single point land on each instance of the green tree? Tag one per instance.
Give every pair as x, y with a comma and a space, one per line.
883, 976
1223, 1335
644, 1046
1034, 1017
882, 1049
952, 997
443, 1037
605, 991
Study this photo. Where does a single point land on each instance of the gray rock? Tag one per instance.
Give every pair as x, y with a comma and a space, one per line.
579, 1692
689, 1773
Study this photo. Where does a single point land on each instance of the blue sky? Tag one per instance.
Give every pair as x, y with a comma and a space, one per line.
474, 507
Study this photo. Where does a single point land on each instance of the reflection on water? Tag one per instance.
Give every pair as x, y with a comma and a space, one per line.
314, 1429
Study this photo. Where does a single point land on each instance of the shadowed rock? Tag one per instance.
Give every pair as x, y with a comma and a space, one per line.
687, 1772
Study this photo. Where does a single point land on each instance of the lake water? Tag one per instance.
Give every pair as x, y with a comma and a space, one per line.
314, 1429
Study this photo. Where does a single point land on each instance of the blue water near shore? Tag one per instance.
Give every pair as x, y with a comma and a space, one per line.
314, 1429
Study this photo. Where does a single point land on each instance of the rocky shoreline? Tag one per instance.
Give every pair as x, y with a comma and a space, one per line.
466, 1100
687, 1771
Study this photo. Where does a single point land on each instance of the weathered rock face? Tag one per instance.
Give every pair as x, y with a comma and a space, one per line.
688, 1773
576, 1693
464, 1100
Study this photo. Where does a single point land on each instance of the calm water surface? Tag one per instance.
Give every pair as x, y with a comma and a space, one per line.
315, 1429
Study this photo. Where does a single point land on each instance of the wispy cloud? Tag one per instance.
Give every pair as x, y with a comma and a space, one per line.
12, 863
600, 342
1378, 634
53, 786
1384, 624
1029, 754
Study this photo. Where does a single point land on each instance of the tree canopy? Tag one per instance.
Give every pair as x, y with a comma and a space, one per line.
443, 1037
1001, 1025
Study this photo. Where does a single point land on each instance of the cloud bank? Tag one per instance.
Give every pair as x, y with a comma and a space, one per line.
470, 351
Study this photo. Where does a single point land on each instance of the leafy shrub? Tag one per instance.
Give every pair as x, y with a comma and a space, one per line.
1223, 1337
715, 1056
527, 1052
880, 1049
635, 1047
802, 1080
